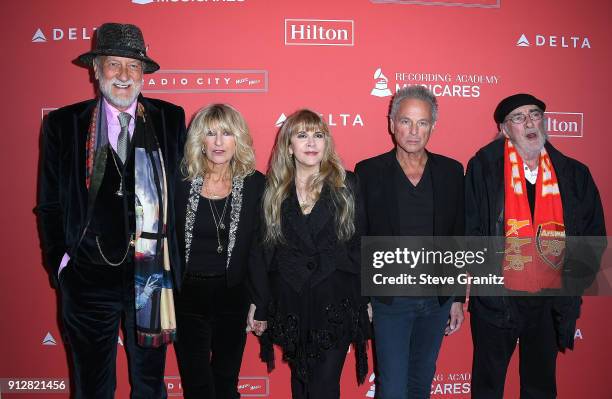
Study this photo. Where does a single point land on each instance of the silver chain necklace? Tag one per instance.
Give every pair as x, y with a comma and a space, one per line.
118, 193
219, 225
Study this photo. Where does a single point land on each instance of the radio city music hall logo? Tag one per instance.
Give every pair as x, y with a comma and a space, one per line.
256, 387
319, 32
564, 124
206, 81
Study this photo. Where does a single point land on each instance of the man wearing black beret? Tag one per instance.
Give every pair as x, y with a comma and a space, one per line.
521, 187
105, 204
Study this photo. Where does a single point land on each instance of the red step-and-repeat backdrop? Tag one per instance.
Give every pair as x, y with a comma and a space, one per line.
341, 58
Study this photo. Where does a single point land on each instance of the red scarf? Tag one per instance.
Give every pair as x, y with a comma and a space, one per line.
534, 248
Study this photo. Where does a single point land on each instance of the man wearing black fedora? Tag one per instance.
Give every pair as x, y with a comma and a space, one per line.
106, 184
522, 188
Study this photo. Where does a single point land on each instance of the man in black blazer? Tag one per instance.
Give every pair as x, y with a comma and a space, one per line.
410, 191
104, 208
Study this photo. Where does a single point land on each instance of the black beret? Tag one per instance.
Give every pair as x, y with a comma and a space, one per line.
511, 103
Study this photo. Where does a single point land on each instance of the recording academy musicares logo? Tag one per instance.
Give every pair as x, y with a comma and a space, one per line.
381, 88
255, 387
564, 124
459, 3
561, 41
332, 119
443, 84
451, 383
206, 81
319, 32
57, 34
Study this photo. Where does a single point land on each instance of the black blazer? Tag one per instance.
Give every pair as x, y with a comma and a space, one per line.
377, 179
310, 253
63, 199
245, 223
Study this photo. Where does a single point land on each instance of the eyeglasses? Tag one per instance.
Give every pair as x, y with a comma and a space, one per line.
534, 115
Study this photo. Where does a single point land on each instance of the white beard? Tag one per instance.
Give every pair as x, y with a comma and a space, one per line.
106, 88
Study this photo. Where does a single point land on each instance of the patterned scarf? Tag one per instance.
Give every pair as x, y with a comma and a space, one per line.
154, 304
534, 248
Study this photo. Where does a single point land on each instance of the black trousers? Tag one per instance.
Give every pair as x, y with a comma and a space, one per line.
493, 348
211, 322
95, 301
323, 379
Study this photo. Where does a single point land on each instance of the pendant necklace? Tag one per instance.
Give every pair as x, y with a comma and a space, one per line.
218, 220
119, 192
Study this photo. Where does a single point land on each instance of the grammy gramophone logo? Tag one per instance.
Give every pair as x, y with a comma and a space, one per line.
381, 87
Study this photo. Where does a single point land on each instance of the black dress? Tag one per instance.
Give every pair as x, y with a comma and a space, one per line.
308, 288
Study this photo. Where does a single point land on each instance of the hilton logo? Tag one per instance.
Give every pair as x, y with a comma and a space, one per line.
319, 32
564, 124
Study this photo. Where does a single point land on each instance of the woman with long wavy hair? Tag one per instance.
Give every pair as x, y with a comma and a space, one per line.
217, 208
305, 277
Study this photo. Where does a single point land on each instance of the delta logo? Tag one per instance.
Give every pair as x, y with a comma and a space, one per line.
60, 34
332, 119
564, 124
564, 41
319, 32
49, 340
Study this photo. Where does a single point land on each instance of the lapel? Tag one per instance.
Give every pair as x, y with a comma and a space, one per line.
439, 186
321, 213
235, 212
81, 135
388, 174
497, 181
153, 118
296, 221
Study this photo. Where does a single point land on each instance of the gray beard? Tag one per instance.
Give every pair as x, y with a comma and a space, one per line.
106, 87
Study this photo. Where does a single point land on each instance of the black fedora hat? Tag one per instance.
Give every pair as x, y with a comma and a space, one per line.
122, 40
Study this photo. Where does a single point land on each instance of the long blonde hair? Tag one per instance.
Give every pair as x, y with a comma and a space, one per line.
217, 117
281, 176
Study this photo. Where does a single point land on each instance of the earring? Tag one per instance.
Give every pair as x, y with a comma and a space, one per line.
203, 150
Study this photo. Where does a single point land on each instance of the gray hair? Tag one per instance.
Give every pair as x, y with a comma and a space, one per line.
417, 92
